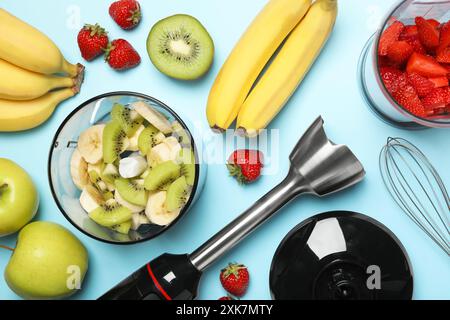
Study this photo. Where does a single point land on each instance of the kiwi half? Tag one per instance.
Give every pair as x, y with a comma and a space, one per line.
162, 175
110, 214
115, 141
149, 138
180, 47
131, 191
129, 120
122, 228
177, 194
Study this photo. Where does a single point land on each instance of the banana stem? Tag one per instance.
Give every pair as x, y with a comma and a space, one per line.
7, 248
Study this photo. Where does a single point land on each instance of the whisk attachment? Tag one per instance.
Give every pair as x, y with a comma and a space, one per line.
417, 188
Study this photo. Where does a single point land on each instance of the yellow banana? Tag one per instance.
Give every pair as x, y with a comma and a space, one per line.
24, 115
288, 69
20, 84
248, 58
28, 48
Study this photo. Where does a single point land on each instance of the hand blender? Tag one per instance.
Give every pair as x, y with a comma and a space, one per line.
318, 167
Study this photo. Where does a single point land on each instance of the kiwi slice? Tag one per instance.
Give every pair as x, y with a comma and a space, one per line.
115, 141
131, 191
110, 214
129, 119
181, 134
187, 165
97, 181
108, 195
161, 175
122, 228
110, 173
177, 194
180, 47
149, 138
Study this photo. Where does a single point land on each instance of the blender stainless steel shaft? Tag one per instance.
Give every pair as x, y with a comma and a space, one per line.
318, 167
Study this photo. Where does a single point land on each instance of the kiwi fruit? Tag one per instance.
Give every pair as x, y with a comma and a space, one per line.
122, 228
108, 195
180, 47
110, 173
115, 141
110, 214
129, 120
187, 164
149, 138
177, 194
161, 175
97, 181
131, 191
181, 134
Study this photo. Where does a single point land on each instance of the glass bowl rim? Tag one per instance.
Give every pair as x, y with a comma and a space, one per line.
167, 109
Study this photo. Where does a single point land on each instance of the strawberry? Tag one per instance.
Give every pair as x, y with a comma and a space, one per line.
92, 41
409, 32
235, 279
417, 45
392, 78
408, 98
444, 41
443, 55
126, 13
439, 82
422, 85
121, 55
437, 99
425, 66
400, 51
434, 23
389, 36
228, 297
428, 33
245, 165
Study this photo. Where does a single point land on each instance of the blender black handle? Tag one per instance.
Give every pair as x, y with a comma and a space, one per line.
168, 277
292, 186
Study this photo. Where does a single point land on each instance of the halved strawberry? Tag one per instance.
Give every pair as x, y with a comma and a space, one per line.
425, 66
389, 36
437, 99
444, 41
428, 33
443, 55
400, 51
434, 23
407, 97
393, 79
439, 82
422, 85
409, 32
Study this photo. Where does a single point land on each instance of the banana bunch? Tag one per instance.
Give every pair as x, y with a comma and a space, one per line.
34, 75
304, 28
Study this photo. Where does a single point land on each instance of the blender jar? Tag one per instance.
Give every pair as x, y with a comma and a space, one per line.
66, 194
372, 87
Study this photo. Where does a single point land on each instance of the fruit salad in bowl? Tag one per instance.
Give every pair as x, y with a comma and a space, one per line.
123, 168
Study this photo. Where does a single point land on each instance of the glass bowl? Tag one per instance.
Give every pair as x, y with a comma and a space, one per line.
372, 87
66, 194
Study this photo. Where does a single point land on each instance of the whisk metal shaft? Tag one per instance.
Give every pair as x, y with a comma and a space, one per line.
417, 188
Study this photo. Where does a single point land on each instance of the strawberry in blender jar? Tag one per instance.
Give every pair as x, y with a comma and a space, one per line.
405, 66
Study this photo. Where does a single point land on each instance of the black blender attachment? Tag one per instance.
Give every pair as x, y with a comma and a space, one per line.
318, 167
341, 256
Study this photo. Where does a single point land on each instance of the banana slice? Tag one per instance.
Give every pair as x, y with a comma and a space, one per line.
154, 117
79, 170
156, 211
174, 146
133, 208
158, 154
90, 144
133, 141
137, 220
91, 198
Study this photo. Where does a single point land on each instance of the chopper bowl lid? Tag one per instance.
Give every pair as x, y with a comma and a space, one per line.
341, 255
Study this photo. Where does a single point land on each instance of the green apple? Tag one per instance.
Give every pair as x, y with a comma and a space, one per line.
19, 198
49, 262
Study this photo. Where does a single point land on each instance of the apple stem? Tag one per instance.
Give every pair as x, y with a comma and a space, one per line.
6, 247
3, 187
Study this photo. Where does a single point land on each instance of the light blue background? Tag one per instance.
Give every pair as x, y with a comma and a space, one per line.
330, 90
